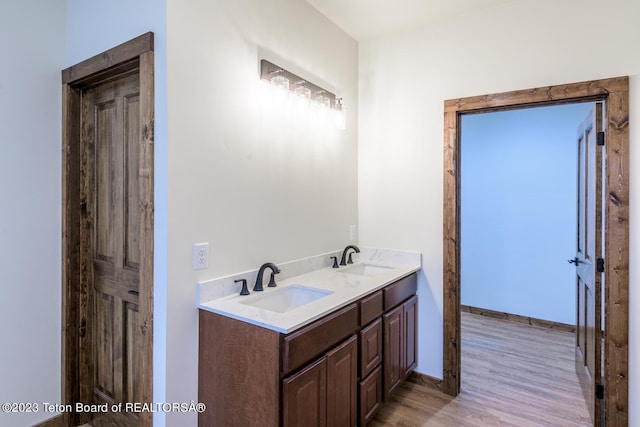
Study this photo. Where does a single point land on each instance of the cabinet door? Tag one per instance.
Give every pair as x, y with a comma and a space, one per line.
304, 397
370, 396
410, 309
370, 347
342, 384
394, 357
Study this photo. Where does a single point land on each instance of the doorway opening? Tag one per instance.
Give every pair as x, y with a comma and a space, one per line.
518, 228
107, 221
616, 229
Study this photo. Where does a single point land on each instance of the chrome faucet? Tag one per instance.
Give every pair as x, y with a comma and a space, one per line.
343, 260
272, 281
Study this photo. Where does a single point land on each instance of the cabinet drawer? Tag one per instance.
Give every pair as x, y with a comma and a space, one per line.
399, 291
370, 396
309, 342
370, 307
370, 347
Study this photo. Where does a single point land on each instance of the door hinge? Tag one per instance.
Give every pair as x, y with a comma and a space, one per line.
601, 138
599, 391
600, 265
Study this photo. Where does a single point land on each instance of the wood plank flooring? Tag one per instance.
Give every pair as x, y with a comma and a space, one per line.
512, 375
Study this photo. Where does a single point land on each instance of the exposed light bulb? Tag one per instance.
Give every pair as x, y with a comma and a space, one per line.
280, 84
303, 97
323, 105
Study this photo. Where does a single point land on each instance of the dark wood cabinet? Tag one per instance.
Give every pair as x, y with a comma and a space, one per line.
305, 397
410, 309
307, 343
342, 384
370, 395
400, 344
333, 372
325, 392
370, 307
370, 347
393, 350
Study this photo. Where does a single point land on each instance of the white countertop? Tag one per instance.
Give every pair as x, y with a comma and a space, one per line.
345, 287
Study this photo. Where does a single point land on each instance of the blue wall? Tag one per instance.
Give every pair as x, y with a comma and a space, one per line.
519, 211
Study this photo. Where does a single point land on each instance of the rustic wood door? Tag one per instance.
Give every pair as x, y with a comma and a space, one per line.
111, 130
589, 251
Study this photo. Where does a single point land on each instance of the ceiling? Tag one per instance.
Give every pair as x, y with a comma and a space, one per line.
367, 19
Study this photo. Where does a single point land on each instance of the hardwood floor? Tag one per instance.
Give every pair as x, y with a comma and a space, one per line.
512, 375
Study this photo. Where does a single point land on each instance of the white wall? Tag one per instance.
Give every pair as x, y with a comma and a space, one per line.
254, 186
94, 26
518, 211
32, 46
405, 79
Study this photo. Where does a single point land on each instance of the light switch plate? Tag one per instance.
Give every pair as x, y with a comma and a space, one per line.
200, 256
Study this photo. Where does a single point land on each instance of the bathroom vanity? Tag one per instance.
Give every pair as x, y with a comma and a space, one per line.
327, 360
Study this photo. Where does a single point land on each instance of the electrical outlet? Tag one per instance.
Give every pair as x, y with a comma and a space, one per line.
352, 233
200, 256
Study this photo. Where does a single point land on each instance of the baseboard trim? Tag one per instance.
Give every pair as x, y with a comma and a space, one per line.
426, 380
519, 319
57, 421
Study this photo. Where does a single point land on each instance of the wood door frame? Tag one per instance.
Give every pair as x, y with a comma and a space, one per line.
136, 54
615, 92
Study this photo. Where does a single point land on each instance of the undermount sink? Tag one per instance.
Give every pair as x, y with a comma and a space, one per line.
366, 269
286, 299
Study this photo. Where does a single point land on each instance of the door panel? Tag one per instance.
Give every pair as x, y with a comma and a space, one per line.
342, 385
589, 248
131, 352
110, 126
370, 396
104, 334
131, 197
305, 397
103, 140
393, 359
410, 309
370, 347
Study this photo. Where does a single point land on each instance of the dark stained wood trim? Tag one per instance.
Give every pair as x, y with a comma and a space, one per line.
57, 421
518, 318
133, 56
451, 257
123, 53
615, 92
145, 180
616, 275
70, 248
549, 95
427, 380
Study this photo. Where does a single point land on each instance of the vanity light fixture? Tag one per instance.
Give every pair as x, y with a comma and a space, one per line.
305, 93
